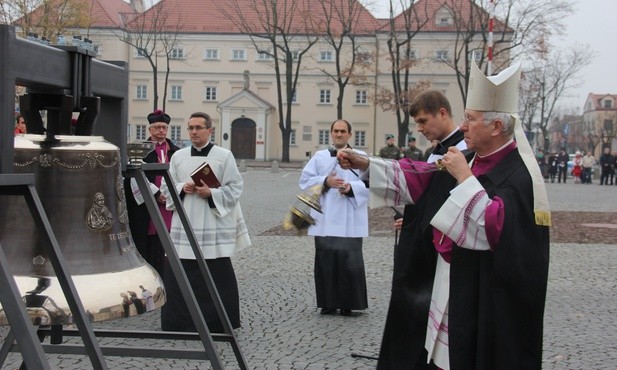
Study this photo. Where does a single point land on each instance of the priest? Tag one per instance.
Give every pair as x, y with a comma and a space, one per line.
216, 218
487, 217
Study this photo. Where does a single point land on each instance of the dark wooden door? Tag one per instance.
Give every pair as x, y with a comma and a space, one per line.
243, 134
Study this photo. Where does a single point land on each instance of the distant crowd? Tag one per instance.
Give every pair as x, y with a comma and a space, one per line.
580, 168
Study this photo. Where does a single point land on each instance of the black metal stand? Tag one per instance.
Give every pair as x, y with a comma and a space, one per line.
34, 350
71, 81
22, 329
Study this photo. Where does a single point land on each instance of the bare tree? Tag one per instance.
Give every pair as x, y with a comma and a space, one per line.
280, 30
519, 26
549, 79
47, 18
340, 26
154, 35
402, 29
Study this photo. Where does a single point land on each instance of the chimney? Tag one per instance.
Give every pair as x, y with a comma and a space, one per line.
137, 5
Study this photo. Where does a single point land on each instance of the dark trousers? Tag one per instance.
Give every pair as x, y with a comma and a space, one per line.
586, 177
605, 175
562, 172
552, 175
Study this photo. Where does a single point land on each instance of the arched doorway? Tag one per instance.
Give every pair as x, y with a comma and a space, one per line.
243, 135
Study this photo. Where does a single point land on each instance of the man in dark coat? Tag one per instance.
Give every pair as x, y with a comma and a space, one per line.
142, 229
606, 167
562, 165
484, 302
402, 344
552, 166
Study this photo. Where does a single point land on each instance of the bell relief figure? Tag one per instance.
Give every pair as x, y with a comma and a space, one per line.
99, 217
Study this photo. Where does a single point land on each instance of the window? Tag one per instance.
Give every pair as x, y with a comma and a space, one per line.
325, 56
608, 125
211, 54
363, 57
294, 98
361, 97
292, 137
307, 134
212, 135
412, 54
443, 17
238, 54
264, 56
324, 137
141, 92
475, 55
176, 92
607, 103
141, 53
441, 55
324, 96
295, 54
140, 133
176, 53
210, 93
176, 133
359, 138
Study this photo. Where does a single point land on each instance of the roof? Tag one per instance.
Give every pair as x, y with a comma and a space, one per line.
597, 99
103, 13
109, 13
426, 10
217, 17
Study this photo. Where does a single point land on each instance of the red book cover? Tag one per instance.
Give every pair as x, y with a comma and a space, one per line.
205, 173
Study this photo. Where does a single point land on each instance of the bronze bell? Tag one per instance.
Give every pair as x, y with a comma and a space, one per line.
79, 183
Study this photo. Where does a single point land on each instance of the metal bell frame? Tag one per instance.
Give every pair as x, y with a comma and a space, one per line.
76, 72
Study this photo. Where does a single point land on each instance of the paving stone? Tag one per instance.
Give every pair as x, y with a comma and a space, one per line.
282, 327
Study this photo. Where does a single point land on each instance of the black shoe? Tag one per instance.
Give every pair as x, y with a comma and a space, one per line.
346, 312
328, 311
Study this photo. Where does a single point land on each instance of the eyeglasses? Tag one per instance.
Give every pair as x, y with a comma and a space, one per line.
159, 128
197, 128
469, 119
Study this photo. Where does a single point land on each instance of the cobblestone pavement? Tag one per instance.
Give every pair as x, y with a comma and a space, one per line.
282, 328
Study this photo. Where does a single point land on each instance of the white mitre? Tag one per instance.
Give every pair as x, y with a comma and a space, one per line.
499, 93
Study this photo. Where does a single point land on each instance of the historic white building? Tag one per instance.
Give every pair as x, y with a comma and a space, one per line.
216, 69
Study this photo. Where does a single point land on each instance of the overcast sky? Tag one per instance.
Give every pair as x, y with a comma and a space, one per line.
594, 23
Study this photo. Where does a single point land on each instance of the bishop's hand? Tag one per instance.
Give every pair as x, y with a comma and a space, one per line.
454, 162
348, 159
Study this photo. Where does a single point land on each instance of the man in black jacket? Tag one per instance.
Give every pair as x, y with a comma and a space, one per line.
142, 229
562, 165
404, 333
606, 167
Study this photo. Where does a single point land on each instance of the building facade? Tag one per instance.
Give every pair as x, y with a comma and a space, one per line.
600, 119
216, 69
